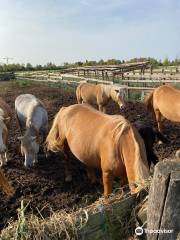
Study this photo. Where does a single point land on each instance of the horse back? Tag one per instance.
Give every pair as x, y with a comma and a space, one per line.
6, 108
167, 100
30, 110
84, 128
87, 92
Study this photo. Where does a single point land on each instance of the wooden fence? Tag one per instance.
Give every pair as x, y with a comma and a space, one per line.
136, 85
163, 213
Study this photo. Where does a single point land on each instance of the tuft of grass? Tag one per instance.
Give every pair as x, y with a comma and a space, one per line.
22, 223
23, 83
61, 225
75, 224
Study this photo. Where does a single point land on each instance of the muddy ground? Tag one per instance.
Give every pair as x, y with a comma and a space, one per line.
43, 186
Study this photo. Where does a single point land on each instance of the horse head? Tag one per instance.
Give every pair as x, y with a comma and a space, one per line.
29, 149
120, 96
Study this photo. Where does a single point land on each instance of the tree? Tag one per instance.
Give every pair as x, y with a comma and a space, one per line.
101, 62
29, 67
166, 62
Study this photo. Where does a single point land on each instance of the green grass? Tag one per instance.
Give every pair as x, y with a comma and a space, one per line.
23, 83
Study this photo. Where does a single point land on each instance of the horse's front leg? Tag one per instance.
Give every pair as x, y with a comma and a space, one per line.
2, 159
6, 156
5, 140
107, 182
91, 174
104, 109
101, 108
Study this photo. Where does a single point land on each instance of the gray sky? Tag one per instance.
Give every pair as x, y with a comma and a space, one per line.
76, 30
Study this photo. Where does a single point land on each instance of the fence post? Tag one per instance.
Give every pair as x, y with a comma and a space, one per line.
163, 213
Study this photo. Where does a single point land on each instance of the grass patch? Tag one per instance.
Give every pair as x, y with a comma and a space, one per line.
23, 83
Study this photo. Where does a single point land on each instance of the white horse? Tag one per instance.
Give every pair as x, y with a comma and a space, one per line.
5, 117
31, 115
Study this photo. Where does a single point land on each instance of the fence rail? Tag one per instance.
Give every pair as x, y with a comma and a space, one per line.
140, 84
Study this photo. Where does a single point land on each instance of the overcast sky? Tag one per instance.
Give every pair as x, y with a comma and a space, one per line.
75, 30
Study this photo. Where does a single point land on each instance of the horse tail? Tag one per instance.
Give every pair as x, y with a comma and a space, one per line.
149, 102
78, 93
54, 141
4, 184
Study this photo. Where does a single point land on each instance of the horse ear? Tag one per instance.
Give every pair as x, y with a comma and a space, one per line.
20, 138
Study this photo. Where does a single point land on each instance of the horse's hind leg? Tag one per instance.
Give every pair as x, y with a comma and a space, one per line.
67, 165
158, 119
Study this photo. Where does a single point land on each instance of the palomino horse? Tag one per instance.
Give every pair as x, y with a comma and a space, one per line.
102, 141
32, 115
5, 186
164, 101
5, 117
99, 94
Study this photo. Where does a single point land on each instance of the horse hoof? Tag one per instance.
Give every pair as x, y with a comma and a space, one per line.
178, 153
160, 142
68, 178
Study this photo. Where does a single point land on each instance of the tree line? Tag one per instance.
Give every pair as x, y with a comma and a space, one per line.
51, 66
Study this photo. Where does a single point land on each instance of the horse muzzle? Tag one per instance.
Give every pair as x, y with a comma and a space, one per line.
122, 107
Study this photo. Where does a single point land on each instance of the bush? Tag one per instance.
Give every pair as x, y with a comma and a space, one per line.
23, 83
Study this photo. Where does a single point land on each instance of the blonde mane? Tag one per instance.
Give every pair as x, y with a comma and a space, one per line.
110, 91
122, 125
141, 167
140, 161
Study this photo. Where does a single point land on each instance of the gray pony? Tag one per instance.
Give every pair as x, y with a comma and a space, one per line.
32, 116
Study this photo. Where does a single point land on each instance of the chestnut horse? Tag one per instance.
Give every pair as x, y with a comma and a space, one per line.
5, 117
164, 102
102, 141
5, 186
100, 94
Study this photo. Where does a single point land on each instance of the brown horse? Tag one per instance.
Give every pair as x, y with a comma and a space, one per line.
102, 141
5, 186
5, 117
99, 94
164, 101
